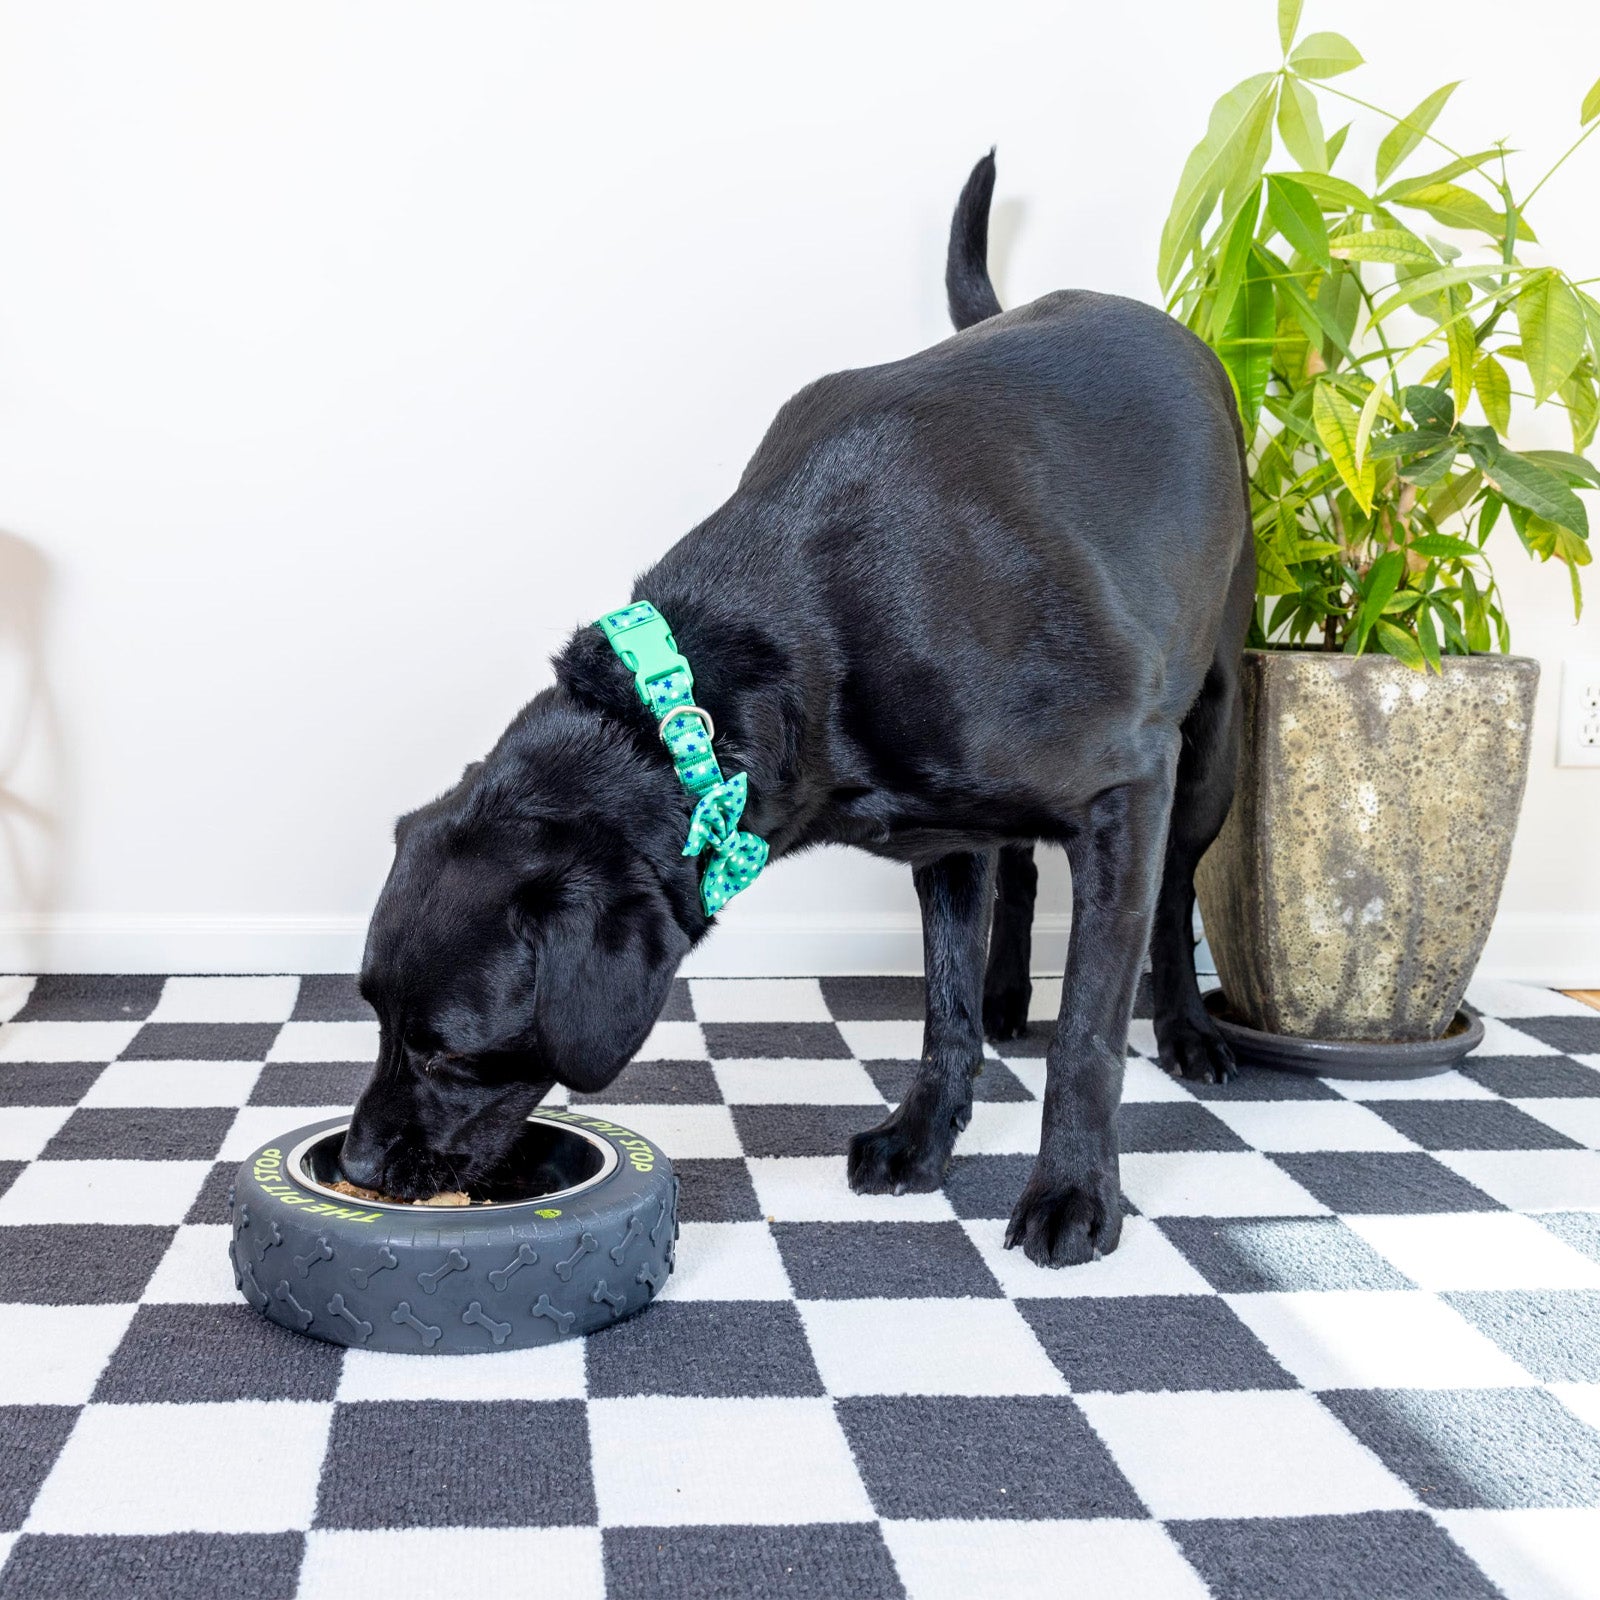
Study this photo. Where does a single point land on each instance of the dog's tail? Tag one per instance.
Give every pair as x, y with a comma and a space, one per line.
966, 272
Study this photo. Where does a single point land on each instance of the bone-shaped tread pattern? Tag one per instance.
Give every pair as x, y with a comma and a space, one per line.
401, 1316
323, 1251
526, 1255
610, 1297
634, 1229
645, 1275
253, 1292
454, 1262
362, 1276
669, 1208
542, 1308
498, 1331
358, 1325
273, 1239
586, 1243
302, 1314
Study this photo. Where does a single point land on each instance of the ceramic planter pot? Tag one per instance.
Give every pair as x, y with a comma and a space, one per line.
1350, 893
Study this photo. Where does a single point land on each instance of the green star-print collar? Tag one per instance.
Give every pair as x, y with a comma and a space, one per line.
641, 638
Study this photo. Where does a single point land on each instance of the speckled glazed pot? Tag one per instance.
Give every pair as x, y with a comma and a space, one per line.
1351, 891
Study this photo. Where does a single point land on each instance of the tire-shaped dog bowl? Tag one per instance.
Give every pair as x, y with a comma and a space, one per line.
1346, 1058
580, 1235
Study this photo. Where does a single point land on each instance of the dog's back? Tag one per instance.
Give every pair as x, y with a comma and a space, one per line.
1062, 480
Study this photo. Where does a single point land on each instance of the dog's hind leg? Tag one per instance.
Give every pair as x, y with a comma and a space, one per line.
911, 1148
1006, 985
1187, 1040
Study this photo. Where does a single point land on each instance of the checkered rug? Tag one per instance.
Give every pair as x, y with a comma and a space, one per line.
1350, 1344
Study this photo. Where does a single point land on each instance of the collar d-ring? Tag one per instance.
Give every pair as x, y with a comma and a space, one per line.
688, 710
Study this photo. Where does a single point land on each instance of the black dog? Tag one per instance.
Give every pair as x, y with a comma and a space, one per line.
991, 594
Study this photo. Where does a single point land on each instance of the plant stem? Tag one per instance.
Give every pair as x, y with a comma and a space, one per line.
1552, 172
1377, 327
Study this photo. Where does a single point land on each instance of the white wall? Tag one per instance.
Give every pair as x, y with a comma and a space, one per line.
352, 353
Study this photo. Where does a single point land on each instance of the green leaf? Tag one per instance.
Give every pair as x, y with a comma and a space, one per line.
1336, 424
1433, 468
1456, 495
1579, 396
1473, 613
1234, 128
1446, 277
1591, 317
1382, 579
1430, 406
1451, 169
1537, 489
1399, 644
1246, 345
1365, 422
1409, 132
1494, 392
1568, 464
1272, 576
1324, 55
1442, 546
1408, 443
1230, 271
1298, 217
1550, 319
1428, 637
1336, 141
1300, 126
1546, 539
1339, 305
1575, 553
1335, 193
1447, 620
1492, 506
1288, 21
1455, 207
1462, 342
1591, 105
1383, 244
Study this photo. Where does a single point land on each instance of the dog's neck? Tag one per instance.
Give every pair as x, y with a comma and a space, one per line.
742, 676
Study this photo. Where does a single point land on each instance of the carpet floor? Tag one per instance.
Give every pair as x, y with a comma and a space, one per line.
1350, 1344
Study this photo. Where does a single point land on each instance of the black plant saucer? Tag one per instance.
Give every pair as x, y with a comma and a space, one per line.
1347, 1058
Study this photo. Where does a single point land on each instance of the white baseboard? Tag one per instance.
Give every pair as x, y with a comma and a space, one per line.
1562, 949
109, 942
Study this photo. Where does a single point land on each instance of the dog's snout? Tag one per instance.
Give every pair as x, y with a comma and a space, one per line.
361, 1160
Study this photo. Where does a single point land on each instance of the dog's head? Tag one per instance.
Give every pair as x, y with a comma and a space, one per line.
527, 935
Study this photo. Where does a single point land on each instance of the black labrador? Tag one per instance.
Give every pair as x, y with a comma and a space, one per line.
991, 594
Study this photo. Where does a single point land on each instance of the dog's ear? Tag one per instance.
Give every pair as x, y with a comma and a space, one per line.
603, 968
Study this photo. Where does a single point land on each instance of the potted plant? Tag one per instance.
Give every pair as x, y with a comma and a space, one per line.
1379, 338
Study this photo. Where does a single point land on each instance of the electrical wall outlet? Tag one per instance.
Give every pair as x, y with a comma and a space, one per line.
1578, 741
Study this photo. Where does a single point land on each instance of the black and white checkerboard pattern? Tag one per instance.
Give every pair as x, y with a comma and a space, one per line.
1350, 1344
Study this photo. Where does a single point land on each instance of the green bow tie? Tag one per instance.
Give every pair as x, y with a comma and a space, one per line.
641, 638
736, 857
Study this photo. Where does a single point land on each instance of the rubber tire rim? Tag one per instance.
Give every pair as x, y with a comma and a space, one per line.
453, 1281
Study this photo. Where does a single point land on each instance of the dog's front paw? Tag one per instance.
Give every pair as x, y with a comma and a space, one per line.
903, 1153
1005, 1012
1065, 1224
1195, 1050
